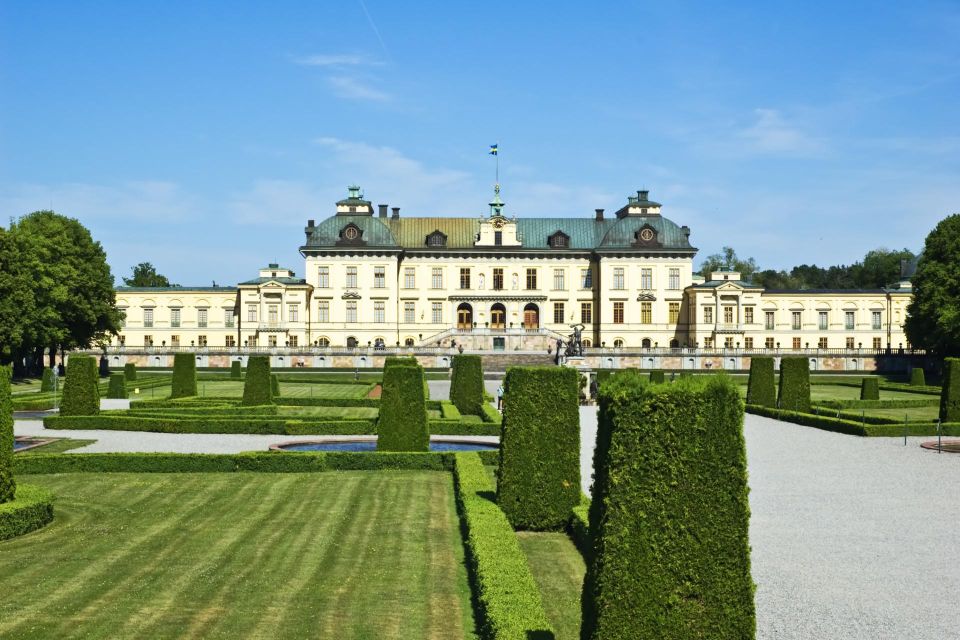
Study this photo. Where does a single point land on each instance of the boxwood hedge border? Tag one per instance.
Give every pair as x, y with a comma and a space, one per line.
32, 509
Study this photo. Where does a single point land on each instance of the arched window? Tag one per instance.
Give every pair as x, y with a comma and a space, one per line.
323, 342
587, 344
618, 343
351, 342
409, 342
464, 316
646, 343
674, 344
437, 239
531, 316
498, 316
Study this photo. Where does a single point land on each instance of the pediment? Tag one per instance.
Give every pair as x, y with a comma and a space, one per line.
350, 295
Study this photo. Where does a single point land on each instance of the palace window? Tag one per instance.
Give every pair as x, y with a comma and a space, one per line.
558, 312
174, 317
436, 239
323, 342
351, 277
876, 343
646, 312
618, 343
728, 342
850, 343
796, 343
708, 315
436, 312
558, 240
201, 317
201, 341
148, 341
875, 320
436, 278
586, 313
531, 278
728, 314
822, 343
228, 317
586, 278
251, 341
323, 278
674, 312
464, 277
230, 341
409, 312
618, 313
351, 310
498, 279
498, 238
646, 279
293, 313
379, 312
795, 320
823, 322
293, 341
323, 311
618, 279
768, 343
379, 278
409, 278
748, 343
674, 279
748, 315
708, 343
848, 320
271, 341
273, 314
559, 280
768, 320
175, 341
251, 313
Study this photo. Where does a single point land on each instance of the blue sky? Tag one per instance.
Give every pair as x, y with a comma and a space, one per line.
202, 136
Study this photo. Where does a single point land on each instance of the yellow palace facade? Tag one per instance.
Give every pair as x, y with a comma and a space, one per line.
373, 279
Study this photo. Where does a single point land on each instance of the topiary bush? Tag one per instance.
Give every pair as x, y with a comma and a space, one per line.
761, 388
466, 384
274, 385
235, 370
794, 392
130, 371
81, 390
950, 391
917, 377
184, 383
669, 517
118, 386
46, 382
657, 377
869, 389
402, 424
538, 480
257, 388
8, 487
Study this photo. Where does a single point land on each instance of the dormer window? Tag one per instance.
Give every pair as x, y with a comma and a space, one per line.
559, 240
351, 235
437, 239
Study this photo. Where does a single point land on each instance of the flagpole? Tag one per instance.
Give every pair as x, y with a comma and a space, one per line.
498, 164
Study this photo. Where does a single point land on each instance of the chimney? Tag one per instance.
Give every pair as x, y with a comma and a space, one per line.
686, 231
396, 213
383, 210
642, 195
599, 214
310, 223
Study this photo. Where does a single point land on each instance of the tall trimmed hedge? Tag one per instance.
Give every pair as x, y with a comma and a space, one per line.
538, 480
870, 389
8, 487
669, 555
184, 383
130, 371
466, 384
274, 385
657, 377
794, 392
950, 391
917, 377
257, 388
46, 382
118, 386
236, 371
81, 390
402, 423
761, 387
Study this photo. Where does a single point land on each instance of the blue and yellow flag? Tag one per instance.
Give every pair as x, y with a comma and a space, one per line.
493, 149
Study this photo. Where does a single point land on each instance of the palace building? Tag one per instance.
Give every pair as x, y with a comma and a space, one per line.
374, 278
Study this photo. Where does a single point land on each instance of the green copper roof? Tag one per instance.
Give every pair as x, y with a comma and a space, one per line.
374, 232
411, 233
585, 233
280, 279
623, 233
176, 288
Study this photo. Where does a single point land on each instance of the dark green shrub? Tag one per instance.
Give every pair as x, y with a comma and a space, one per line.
236, 372
794, 385
657, 377
761, 388
538, 480
869, 389
184, 382
603, 375
669, 555
32, 509
950, 391
104, 367
402, 425
917, 377
130, 371
46, 382
257, 388
8, 487
118, 386
274, 385
81, 391
466, 384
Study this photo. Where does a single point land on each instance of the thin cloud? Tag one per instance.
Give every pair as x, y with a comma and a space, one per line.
354, 89
771, 133
336, 60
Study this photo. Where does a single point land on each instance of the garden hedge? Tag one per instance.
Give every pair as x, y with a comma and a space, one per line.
950, 391
81, 393
466, 384
669, 517
870, 389
507, 597
118, 386
274, 386
579, 527
130, 371
402, 422
761, 387
854, 426
184, 379
257, 424
657, 377
917, 377
46, 382
880, 404
538, 480
8, 486
257, 388
31, 510
794, 392
236, 372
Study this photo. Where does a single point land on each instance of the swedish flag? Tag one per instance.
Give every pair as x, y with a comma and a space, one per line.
493, 149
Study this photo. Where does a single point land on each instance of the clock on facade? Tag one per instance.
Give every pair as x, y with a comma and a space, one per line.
498, 223
350, 233
646, 235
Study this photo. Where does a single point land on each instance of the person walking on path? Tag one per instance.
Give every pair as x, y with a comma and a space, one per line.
500, 397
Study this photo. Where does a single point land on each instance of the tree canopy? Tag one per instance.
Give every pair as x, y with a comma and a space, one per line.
725, 260
145, 275
933, 317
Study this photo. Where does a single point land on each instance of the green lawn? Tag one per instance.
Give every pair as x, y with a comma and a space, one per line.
916, 414
840, 392
347, 413
234, 389
558, 568
328, 555
59, 445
